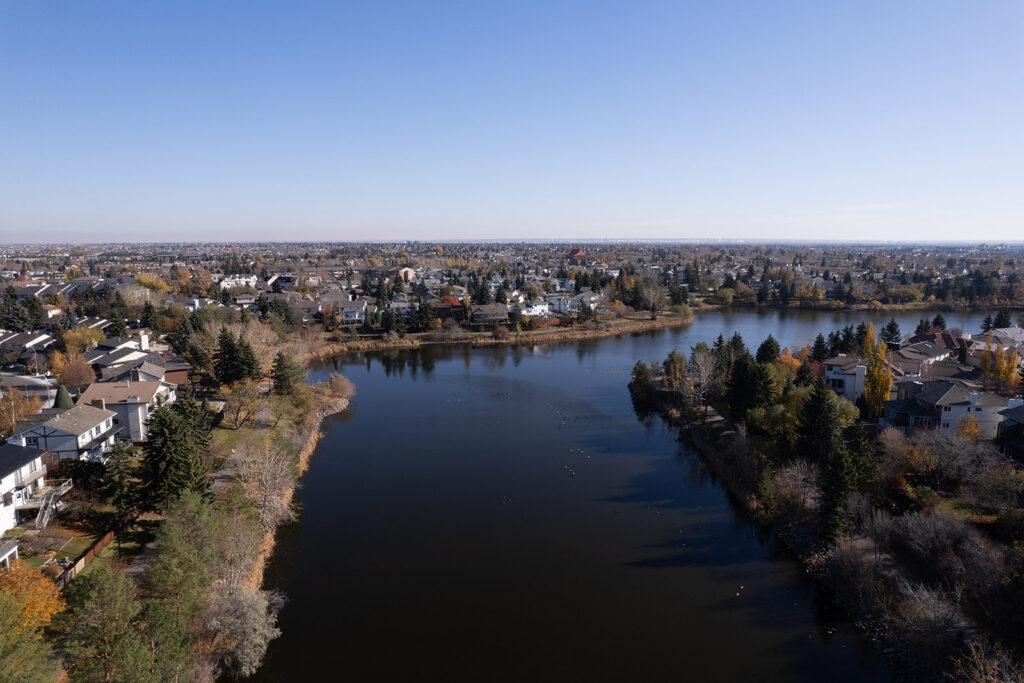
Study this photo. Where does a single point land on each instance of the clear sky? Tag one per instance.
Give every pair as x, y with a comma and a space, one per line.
160, 121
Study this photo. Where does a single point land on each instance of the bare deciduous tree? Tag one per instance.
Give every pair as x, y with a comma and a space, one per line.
267, 471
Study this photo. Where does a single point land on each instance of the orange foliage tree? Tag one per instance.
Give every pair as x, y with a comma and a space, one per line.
37, 595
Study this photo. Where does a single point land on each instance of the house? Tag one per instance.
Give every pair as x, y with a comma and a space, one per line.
133, 401
23, 490
135, 371
353, 312
563, 305
84, 432
177, 371
942, 404
532, 309
493, 314
845, 375
1010, 433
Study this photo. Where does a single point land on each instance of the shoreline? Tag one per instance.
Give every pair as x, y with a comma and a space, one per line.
326, 406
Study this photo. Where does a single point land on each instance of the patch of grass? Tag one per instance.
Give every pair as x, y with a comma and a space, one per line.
34, 562
75, 548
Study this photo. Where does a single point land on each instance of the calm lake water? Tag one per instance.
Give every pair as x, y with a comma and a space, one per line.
502, 515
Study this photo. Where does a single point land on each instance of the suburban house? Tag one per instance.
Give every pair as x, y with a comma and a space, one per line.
23, 490
84, 432
845, 375
1010, 433
133, 401
564, 305
489, 314
534, 308
942, 404
353, 312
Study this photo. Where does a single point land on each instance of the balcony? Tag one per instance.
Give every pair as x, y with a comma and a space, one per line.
35, 501
21, 481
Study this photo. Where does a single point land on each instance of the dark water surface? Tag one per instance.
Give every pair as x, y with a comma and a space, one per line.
502, 515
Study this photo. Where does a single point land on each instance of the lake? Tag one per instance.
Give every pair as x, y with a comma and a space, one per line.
501, 514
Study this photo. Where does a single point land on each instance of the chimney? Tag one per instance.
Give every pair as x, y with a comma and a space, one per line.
99, 403
972, 398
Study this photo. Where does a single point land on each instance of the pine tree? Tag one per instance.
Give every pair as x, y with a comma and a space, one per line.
922, 327
819, 351
246, 362
120, 485
891, 332
63, 400
195, 419
225, 360
117, 327
149, 317
173, 460
286, 374
859, 336
939, 322
768, 351
739, 395
1002, 319
804, 375
818, 433
763, 387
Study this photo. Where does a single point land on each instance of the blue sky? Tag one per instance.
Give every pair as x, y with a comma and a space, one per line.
159, 121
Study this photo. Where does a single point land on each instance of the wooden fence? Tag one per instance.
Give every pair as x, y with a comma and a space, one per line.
72, 571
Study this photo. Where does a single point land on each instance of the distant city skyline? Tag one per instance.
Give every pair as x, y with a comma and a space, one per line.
563, 121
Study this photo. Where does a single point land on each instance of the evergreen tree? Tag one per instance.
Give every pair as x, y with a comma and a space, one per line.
225, 361
246, 362
962, 355
105, 642
846, 340
819, 351
739, 386
149, 317
173, 461
63, 400
987, 324
859, 336
891, 332
120, 486
768, 351
286, 374
939, 322
194, 418
13, 315
117, 327
762, 386
804, 375
818, 434
1003, 318
922, 327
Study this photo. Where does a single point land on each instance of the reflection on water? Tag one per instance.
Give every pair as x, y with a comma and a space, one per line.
509, 514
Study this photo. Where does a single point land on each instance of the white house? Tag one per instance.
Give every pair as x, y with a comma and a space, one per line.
942, 404
353, 312
845, 375
133, 401
84, 432
23, 490
535, 308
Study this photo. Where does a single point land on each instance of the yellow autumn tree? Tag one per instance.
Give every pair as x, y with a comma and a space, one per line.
82, 338
870, 341
15, 406
986, 359
968, 427
877, 380
37, 595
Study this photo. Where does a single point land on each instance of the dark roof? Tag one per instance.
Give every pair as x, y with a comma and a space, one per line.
12, 457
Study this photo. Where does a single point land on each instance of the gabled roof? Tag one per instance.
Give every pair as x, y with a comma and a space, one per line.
121, 392
12, 457
77, 420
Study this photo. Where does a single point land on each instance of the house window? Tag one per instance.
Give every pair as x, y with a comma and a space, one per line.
32, 441
945, 425
945, 409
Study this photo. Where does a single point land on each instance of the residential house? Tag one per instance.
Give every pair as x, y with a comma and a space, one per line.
84, 432
942, 404
845, 375
24, 492
493, 314
133, 401
1010, 433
